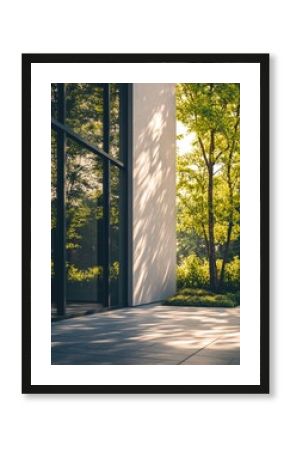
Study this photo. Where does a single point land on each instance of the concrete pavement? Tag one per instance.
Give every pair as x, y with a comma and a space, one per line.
152, 334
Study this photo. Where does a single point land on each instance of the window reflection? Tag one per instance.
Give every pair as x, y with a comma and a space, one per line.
84, 111
84, 217
89, 232
115, 233
53, 210
54, 98
115, 120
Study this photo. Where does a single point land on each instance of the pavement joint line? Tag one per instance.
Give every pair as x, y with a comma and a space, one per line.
198, 351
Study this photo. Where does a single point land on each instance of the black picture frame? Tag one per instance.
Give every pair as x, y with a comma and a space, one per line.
263, 61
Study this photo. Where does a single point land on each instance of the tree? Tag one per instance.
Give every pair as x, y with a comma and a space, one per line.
211, 112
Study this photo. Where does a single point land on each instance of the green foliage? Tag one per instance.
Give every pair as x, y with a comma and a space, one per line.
114, 270
201, 297
232, 274
89, 274
193, 272
211, 113
206, 106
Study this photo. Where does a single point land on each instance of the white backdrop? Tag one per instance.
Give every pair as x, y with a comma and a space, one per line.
142, 422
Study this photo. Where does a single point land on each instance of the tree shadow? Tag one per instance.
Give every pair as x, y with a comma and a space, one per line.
148, 335
154, 196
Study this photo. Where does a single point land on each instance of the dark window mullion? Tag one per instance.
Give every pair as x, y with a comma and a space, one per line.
60, 254
106, 195
126, 189
56, 125
123, 192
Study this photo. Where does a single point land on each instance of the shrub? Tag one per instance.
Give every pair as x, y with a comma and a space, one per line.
232, 274
193, 272
201, 297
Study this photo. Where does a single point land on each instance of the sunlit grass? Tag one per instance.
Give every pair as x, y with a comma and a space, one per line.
202, 297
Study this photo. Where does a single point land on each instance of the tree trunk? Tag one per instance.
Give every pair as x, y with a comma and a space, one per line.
211, 237
209, 161
205, 238
231, 201
230, 223
226, 252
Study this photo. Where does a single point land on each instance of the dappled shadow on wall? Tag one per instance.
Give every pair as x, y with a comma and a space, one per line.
154, 193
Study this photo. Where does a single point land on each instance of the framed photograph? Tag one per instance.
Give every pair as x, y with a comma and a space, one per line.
145, 223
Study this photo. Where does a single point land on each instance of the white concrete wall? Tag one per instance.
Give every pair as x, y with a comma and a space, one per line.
154, 222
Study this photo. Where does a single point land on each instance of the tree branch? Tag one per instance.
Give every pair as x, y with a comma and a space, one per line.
203, 151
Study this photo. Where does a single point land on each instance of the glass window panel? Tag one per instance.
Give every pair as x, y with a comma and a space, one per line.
84, 224
85, 234
115, 120
54, 98
84, 111
116, 240
53, 209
